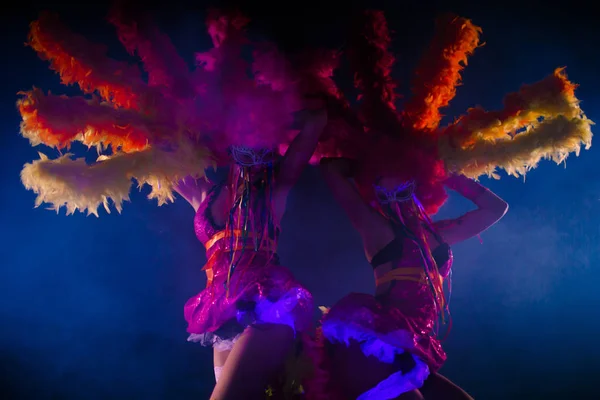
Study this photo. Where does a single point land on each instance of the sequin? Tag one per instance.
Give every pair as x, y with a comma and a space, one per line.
217, 314
403, 319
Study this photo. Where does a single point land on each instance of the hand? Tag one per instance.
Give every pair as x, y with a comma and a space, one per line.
465, 186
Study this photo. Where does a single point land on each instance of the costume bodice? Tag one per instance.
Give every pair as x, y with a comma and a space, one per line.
404, 252
214, 236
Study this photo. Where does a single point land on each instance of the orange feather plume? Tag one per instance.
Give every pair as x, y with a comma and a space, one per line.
540, 121
165, 67
550, 97
79, 61
56, 121
438, 73
372, 62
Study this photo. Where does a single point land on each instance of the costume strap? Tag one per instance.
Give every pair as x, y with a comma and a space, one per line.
221, 235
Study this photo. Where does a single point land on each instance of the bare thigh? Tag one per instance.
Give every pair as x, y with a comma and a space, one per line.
439, 387
414, 395
219, 359
352, 373
256, 358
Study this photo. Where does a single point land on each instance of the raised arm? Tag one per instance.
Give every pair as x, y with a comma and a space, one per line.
193, 190
337, 173
301, 149
490, 209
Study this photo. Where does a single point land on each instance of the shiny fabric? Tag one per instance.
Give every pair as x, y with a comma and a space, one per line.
260, 290
401, 319
399, 383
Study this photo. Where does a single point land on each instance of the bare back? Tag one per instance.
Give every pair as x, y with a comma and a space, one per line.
223, 203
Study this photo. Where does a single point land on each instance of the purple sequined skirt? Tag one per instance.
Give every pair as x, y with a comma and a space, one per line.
259, 291
385, 329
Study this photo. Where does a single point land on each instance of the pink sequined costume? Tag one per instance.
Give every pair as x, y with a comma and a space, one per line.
400, 320
411, 145
259, 289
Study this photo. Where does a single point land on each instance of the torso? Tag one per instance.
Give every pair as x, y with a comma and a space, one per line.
212, 215
401, 252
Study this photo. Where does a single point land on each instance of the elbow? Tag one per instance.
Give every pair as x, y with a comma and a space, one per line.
504, 208
500, 209
492, 213
492, 204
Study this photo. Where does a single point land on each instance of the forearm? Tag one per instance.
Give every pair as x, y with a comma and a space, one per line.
300, 151
490, 209
346, 194
307, 140
481, 196
312, 122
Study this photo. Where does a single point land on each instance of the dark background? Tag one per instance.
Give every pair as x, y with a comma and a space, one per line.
92, 308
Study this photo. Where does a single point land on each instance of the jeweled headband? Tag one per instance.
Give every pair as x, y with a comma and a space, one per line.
400, 193
249, 157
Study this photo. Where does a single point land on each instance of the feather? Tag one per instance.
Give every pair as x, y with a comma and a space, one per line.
540, 121
438, 73
81, 62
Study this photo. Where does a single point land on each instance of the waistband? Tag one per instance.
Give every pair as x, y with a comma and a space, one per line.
235, 234
414, 274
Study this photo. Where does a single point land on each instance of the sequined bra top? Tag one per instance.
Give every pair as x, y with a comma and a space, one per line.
395, 250
406, 256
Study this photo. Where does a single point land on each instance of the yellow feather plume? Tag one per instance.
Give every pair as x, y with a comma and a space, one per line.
541, 121
81, 187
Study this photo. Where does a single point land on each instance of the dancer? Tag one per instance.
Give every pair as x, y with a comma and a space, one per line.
252, 306
177, 124
406, 251
387, 346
